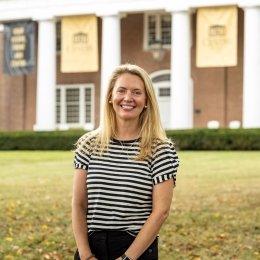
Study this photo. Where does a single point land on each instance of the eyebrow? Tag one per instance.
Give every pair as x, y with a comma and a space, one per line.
132, 89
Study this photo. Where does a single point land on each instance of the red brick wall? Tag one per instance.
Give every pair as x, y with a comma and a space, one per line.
218, 91
132, 37
17, 99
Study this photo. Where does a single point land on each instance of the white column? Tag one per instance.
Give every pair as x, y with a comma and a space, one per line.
251, 84
181, 84
111, 52
46, 76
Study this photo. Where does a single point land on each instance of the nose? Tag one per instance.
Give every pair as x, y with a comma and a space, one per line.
128, 95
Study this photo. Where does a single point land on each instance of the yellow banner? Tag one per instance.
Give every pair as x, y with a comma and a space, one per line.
216, 37
79, 44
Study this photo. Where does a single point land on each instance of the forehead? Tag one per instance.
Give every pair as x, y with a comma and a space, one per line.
128, 80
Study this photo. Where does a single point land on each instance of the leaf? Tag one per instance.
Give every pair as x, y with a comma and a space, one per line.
45, 226
10, 239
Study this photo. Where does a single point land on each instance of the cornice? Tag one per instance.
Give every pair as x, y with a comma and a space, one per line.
38, 9
48, 9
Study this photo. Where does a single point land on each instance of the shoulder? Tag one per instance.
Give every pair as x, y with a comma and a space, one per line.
88, 137
163, 144
163, 148
87, 141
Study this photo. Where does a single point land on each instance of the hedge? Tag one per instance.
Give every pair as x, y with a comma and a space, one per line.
216, 139
193, 139
47, 140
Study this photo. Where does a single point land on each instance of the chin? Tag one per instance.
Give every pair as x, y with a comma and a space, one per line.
125, 117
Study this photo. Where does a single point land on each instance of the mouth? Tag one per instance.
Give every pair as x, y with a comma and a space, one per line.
127, 107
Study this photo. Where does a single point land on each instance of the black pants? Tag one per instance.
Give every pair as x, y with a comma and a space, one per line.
109, 245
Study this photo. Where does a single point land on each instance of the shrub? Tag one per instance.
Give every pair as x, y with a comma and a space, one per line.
29, 140
193, 139
216, 139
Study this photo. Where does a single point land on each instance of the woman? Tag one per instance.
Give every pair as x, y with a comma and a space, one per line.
124, 174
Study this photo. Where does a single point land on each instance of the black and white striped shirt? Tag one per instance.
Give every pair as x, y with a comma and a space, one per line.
120, 187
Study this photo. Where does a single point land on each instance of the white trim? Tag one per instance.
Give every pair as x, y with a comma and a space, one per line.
46, 77
159, 73
185, 5
35, 9
157, 86
63, 125
157, 14
110, 52
41, 9
181, 82
251, 76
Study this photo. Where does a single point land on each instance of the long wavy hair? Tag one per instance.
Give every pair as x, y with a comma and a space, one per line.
151, 130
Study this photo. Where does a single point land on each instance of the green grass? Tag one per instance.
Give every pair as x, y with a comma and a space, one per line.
215, 212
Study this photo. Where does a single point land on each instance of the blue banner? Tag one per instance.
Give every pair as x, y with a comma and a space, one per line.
19, 47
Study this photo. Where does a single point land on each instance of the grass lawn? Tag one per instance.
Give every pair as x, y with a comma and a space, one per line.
215, 212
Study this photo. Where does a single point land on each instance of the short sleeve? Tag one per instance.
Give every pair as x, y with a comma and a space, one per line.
165, 163
82, 153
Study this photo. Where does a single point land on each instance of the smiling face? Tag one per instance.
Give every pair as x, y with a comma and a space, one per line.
128, 97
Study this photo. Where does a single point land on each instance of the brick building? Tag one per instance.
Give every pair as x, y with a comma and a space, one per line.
159, 36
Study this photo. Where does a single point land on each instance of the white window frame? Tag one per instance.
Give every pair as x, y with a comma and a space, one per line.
158, 34
64, 125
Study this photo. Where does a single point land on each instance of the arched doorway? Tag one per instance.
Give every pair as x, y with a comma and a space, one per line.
162, 84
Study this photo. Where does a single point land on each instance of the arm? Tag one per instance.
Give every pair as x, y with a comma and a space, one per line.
79, 208
162, 197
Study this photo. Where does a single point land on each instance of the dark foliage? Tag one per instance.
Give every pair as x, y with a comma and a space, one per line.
193, 139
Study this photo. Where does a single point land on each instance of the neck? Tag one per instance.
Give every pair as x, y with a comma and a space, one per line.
127, 131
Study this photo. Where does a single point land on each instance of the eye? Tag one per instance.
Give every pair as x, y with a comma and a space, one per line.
136, 93
121, 91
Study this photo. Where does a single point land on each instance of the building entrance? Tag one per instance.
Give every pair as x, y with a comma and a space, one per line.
162, 85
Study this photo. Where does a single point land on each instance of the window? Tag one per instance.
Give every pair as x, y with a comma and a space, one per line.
157, 29
58, 106
74, 106
164, 92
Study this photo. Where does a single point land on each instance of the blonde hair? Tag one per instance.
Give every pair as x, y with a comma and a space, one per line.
151, 130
